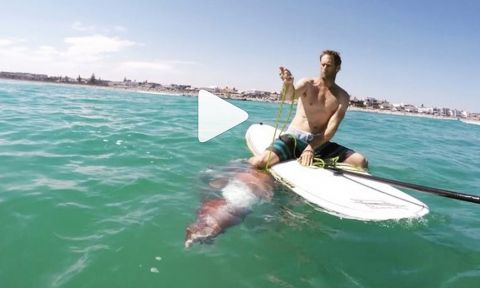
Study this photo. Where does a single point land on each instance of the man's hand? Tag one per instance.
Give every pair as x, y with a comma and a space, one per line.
286, 75
306, 159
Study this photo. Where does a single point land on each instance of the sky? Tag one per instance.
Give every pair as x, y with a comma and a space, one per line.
415, 52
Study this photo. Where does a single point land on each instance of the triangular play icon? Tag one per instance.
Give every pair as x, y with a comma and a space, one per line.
216, 116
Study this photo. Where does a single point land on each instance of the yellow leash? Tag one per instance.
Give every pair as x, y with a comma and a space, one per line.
283, 95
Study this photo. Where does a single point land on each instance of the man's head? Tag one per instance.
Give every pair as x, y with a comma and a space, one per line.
330, 64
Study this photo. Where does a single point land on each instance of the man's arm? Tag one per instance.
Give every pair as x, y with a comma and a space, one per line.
291, 92
294, 92
332, 127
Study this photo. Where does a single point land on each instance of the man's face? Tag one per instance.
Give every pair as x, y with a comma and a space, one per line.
327, 67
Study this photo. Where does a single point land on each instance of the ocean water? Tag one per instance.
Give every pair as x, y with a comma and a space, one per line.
97, 187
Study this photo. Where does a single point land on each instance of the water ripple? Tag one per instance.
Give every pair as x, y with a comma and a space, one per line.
87, 174
71, 271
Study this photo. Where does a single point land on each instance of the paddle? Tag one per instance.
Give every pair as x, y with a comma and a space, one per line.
437, 191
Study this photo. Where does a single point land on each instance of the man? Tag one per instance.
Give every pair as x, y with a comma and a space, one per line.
321, 107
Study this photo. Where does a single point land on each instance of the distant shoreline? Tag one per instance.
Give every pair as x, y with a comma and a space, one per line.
236, 97
351, 108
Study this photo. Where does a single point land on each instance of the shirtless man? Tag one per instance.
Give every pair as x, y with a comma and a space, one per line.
321, 107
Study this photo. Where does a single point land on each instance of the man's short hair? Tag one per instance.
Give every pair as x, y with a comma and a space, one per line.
334, 54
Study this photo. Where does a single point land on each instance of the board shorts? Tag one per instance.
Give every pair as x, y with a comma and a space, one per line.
291, 144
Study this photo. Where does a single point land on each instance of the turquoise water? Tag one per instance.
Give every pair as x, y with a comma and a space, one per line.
97, 187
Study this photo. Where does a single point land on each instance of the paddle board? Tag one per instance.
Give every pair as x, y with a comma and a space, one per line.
345, 196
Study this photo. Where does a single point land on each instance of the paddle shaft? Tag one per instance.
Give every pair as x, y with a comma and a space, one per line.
437, 191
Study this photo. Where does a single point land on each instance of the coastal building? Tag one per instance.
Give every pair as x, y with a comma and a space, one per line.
474, 116
355, 102
256, 94
398, 107
373, 103
385, 105
425, 110
179, 86
458, 113
410, 108
445, 112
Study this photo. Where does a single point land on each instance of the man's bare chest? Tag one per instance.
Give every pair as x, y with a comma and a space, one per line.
320, 101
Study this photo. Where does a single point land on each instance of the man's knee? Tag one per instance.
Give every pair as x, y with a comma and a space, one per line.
358, 160
363, 162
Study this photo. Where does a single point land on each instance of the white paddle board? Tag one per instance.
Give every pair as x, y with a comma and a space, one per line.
341, 195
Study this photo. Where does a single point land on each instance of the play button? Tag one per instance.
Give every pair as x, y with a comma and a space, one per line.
216, 116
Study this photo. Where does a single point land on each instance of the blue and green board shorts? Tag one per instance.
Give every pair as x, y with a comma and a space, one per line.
288, 147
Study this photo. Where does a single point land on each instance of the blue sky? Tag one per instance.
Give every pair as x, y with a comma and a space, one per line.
418, 52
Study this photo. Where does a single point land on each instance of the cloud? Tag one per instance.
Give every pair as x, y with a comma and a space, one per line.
82, 27
94, 47
11, 48
149, 65
119, 28
165, 66
183, 62
84, 55
157, 65
43, 54
5, 42
79, 26
84, 49
10, 41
